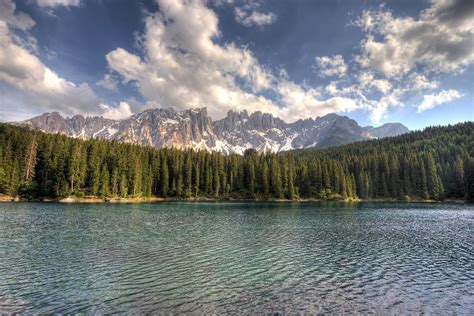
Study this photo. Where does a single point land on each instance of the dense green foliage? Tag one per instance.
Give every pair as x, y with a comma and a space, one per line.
432, 164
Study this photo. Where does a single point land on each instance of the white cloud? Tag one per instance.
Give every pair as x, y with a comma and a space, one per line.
250, 17
18, 24
109, 82
332, 89
420, 82
391, 93
331, 66
439, 40
57, 3
378, 108
183, 67
25, 81
304, 103
400, 56
116, 113
18, 20
43, 87
430, 101
219, 3
382, 85
367, 80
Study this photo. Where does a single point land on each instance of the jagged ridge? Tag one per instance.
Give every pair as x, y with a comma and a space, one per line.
235, 133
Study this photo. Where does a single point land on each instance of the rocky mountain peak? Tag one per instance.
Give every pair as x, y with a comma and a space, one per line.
386, 130
265, 121
50, 117
193, 128
50, 122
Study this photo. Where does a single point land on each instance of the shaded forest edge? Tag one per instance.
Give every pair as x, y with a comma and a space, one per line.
430, 165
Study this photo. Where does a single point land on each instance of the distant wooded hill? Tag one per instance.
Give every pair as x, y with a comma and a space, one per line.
434, 164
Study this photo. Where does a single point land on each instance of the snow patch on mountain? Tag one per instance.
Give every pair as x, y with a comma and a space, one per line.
235, 133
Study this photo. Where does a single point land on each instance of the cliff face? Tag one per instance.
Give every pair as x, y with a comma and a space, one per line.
233, 134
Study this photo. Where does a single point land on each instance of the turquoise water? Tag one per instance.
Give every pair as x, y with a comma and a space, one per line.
237, 258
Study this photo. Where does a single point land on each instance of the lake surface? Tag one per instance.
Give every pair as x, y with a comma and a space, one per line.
237, 258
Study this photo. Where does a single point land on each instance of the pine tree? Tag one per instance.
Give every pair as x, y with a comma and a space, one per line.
215, 176
76, 167
196, 177
290, 194
424, 194
250, 178
115, 182
3, 181
363, 185
136, 177
164, 178
265, 182
432, 164
30, 160
275, 177
123, 186
432, 178
104, 182
469, 179
459, 177
305, 182
407, 181
94, 162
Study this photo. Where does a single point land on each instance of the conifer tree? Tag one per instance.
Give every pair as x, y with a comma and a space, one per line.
196, 178
104, 182
459, 174
164, 177
275, 178
420, 165
265, 182
424, 194
469, 179
432, 178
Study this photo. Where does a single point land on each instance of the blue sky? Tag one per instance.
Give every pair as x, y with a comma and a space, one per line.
374, 61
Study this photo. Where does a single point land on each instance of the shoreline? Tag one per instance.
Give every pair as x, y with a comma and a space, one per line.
94, 199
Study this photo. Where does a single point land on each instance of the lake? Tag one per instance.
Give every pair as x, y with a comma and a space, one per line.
219, 257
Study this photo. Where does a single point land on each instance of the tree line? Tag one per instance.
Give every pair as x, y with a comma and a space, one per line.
434, 164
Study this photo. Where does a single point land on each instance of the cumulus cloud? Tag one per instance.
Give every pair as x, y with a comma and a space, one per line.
250, 17
430, 101
438, 40
367, 80
23, 71
184, 67
420, 82
304, 103
109, 82
26, 82
17, 20
184, 64
331, 66
57, 3
400, 56
116, 113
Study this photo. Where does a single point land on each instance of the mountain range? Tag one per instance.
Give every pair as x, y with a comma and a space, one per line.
194, 128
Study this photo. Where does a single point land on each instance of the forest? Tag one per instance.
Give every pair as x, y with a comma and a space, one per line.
434, 164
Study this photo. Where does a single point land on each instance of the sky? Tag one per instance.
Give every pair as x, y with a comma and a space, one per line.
374, 61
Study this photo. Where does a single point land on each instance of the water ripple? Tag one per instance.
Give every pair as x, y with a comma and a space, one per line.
210, 258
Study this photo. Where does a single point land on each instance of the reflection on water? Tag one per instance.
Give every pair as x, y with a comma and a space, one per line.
237, 258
